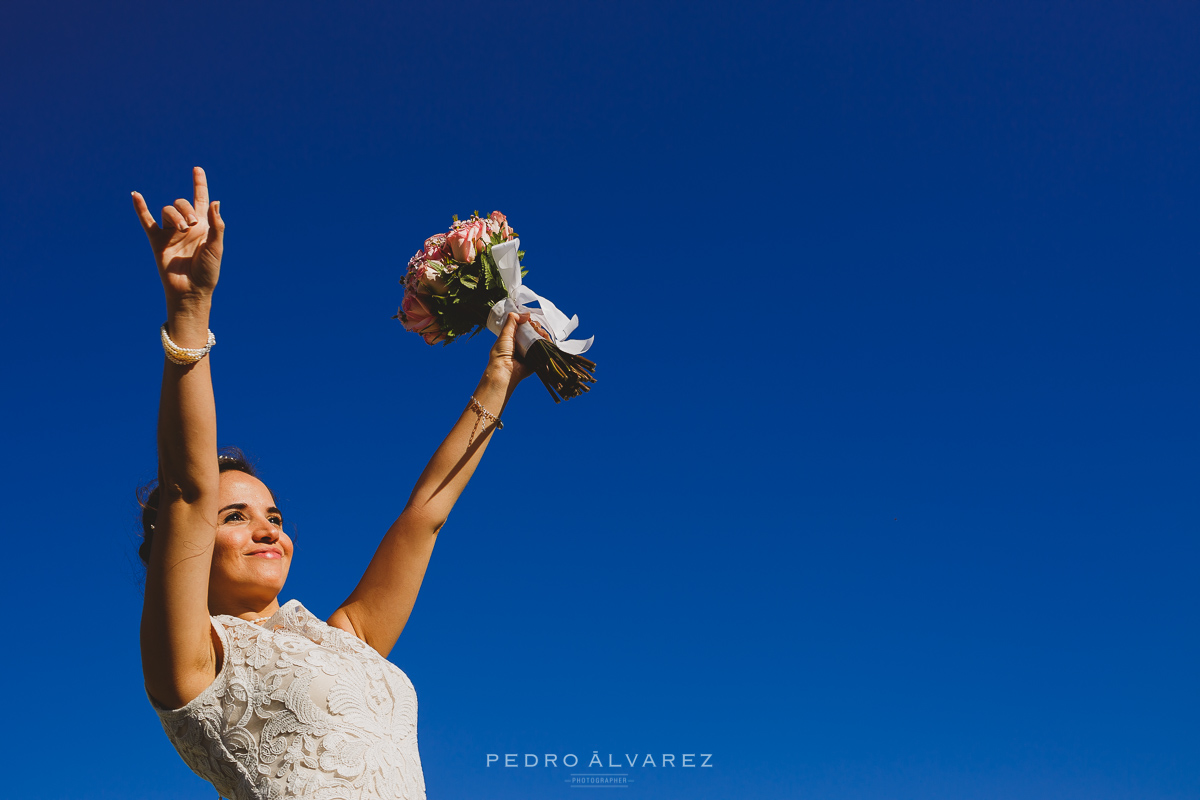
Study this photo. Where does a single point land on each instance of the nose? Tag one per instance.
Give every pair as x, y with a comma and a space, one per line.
264, 531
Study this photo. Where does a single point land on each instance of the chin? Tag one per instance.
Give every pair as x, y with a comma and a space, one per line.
268, 576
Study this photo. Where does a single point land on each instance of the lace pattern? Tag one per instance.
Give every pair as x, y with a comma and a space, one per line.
301, 709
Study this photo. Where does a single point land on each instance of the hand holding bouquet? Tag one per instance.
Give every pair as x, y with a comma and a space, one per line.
469, 278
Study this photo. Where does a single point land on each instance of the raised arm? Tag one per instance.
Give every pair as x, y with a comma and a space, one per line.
178, 653
378, 608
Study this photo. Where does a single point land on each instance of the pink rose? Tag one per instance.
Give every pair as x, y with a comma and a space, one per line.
429, 277
501, 222
466, 239
416, 316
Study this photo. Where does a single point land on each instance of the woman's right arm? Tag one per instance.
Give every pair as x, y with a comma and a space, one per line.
178, 653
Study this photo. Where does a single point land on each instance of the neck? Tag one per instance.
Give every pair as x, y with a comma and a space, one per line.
245, 610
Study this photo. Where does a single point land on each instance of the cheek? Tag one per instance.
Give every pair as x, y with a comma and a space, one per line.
226, 544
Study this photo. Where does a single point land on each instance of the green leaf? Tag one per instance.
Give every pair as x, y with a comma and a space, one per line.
489, 269
456, 217
520, 255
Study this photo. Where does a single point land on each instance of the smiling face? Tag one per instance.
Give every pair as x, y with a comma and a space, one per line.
252, 553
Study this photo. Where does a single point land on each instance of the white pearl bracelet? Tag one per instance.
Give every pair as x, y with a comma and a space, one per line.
183, 355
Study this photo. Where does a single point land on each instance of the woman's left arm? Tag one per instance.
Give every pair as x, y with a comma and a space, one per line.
378, 608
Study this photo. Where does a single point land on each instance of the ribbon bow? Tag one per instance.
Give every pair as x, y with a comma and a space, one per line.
553, 321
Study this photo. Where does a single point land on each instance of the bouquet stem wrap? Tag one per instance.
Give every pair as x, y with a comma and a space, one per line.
557, 359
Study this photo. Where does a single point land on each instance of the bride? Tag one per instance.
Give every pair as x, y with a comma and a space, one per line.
263, 700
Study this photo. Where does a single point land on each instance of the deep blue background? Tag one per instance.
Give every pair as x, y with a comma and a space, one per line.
888, 489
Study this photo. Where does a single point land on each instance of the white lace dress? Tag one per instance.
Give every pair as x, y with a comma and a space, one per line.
301, 709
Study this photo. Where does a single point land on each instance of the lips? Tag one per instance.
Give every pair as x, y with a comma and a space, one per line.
266, 553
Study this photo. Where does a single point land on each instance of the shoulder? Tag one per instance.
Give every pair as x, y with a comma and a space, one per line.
341, 621
293, 617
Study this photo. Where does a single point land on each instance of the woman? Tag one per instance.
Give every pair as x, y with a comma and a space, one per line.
263, 700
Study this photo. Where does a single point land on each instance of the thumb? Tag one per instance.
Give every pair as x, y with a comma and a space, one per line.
505, 343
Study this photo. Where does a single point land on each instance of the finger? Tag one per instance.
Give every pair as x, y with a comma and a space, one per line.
144, 215
189, 213
216, 226
172, 219
200, 190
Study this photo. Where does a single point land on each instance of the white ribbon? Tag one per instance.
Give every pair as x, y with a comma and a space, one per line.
553, 321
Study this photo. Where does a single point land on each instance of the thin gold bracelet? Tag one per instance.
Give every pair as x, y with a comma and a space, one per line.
481, 414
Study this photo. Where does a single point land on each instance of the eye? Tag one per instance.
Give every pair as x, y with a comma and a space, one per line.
233, 516
275, 520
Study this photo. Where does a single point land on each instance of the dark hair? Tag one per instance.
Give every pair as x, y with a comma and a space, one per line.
228, 458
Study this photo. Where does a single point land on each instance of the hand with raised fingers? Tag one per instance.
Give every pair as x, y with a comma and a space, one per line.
188, 244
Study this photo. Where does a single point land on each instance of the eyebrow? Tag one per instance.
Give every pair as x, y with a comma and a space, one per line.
243, 507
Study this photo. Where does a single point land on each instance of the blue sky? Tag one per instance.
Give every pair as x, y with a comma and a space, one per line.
887, 489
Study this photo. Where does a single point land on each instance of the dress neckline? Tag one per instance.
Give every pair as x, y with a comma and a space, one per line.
262, 622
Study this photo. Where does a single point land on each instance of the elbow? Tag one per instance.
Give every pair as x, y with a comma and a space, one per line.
176, 491
188, 483
424, 518
188, 489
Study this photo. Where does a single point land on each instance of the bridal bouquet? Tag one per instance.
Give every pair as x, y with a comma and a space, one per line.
470, 278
